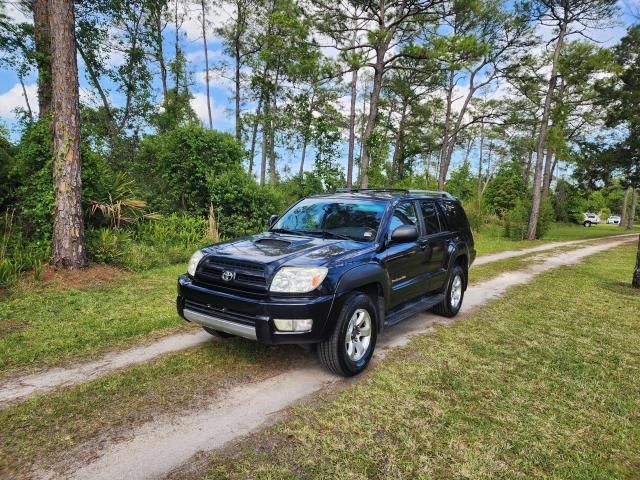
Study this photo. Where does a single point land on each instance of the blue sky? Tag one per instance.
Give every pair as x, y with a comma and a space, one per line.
11, 93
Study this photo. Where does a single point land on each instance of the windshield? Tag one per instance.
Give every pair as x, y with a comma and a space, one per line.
353, 219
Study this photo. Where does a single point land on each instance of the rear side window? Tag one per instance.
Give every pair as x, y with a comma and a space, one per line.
456, 218
431, 218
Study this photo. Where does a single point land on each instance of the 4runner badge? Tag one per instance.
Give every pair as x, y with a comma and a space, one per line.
228, 275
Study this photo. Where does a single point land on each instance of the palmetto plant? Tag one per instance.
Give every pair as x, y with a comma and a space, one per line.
120, 207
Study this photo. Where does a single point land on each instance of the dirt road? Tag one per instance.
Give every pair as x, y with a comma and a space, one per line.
153, 450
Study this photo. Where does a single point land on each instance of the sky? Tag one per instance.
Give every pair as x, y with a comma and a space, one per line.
11, 95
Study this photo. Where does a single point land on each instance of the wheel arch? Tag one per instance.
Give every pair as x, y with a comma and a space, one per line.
370, 279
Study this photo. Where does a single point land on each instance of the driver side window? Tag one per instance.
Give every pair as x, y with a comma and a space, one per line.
404, 214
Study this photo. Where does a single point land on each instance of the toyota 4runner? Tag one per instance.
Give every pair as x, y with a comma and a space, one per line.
334, 270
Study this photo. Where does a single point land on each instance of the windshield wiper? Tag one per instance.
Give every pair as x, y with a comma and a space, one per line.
287, 231
327, 233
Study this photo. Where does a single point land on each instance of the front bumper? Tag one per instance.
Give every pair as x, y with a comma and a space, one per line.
251, 316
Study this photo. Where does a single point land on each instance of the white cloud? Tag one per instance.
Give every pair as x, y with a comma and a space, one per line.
17, 15
217, 79
198, 56
192, 24
199, 105
14, 98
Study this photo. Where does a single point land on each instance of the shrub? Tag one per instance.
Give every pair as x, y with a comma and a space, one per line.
516, 220
18, 255
505, 190
241, 205
108, 245
475, 214
181, 161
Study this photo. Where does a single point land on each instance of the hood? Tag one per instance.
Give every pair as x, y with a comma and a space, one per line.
294, 250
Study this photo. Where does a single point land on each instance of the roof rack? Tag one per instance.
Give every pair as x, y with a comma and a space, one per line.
433, 193
371, 190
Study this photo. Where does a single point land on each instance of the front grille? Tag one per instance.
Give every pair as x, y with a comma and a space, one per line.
248, 276
221, 312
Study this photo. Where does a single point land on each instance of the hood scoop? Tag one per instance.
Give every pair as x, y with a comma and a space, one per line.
272, 243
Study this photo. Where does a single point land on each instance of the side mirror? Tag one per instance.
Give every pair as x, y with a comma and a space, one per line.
273, 219
404, 234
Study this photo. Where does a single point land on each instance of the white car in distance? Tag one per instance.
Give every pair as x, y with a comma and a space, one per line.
590, 219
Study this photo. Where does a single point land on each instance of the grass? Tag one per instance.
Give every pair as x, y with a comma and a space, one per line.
533, 385
44, 429
41, 327
491, 240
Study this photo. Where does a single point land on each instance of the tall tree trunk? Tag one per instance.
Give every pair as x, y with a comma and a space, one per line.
451, 138
273, 178
254, 133
42, 37
352, 127
371, 122
266, 134
397, 163
546, 178
68, 250
636, 274
542, 137
26, 98
625, 203
177, 46
302, 156
480, 159
632, 210
159, 49
237, 87
206, 60
445, 137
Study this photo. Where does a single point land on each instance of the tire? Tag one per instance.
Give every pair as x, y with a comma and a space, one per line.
587, 224
453, 294
216, 333
343, 357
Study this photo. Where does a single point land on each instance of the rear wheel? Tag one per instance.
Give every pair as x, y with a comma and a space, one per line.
350, 347
587, 224
217, 333
453, 294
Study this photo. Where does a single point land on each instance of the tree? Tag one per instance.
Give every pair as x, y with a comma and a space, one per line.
239, 44
68, 249
482, 39
203, 21
42, 36
635, 282
385, 31
566, 18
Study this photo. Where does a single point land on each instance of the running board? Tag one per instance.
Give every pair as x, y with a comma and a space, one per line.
411, 308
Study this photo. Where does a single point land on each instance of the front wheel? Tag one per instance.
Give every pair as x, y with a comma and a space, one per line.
350, 347
587, 224
453, 294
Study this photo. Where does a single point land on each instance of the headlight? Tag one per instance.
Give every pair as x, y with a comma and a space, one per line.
298, 279
193, 262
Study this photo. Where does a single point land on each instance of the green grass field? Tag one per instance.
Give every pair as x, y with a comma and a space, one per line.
491, 240
534, 385
41, 327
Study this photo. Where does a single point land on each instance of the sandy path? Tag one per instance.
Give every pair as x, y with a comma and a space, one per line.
493, 257
18, 388
154, 449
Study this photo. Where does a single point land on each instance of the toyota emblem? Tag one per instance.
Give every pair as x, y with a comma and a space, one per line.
228, 275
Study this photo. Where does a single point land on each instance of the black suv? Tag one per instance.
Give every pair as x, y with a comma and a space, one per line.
334, 270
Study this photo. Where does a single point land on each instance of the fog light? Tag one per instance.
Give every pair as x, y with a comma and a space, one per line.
297, 325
